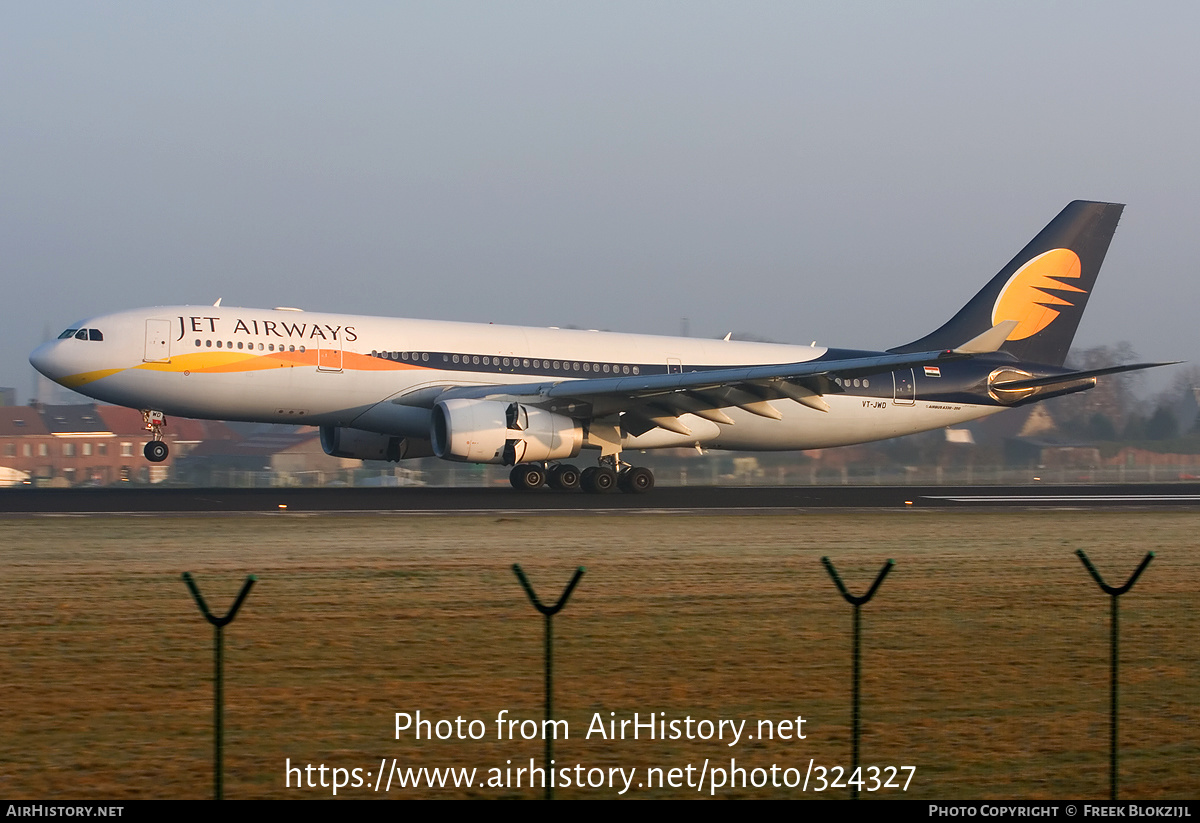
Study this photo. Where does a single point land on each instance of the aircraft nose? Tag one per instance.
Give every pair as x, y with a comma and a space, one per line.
43, 359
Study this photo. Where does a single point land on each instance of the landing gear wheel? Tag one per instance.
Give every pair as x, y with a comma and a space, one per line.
599, 480
636, 480
564, 477
156, 451
527, 477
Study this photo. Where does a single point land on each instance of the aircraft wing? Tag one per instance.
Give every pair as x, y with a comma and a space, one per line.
647, 401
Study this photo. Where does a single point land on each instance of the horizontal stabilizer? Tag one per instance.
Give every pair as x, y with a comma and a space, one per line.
1071, 377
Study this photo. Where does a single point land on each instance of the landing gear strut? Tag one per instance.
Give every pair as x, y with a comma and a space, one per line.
156, 450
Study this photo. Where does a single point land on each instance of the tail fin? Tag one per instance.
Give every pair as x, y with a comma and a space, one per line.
1044, 288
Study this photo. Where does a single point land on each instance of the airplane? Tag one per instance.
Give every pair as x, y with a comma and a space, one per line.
533, 398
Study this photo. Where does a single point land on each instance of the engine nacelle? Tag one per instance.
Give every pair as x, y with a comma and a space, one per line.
490, 431
361, 445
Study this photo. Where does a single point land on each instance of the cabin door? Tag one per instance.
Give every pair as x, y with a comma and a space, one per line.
158, 341
329, 355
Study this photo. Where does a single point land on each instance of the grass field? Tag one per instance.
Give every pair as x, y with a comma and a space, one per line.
985, 651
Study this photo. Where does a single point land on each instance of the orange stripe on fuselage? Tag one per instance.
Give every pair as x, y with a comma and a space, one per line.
227, 362
74, 381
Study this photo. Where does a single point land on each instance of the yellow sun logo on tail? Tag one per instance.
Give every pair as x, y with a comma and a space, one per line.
1028, 297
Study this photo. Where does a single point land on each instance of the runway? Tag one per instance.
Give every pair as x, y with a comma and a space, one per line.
663, 499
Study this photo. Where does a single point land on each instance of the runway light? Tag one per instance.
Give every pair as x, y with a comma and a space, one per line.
283, 505
908, 502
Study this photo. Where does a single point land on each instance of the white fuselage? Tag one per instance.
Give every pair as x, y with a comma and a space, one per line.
381, 374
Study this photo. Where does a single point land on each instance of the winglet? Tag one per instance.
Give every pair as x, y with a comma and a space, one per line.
990, 341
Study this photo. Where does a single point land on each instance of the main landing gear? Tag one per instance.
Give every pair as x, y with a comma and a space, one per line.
602, 479
156, 450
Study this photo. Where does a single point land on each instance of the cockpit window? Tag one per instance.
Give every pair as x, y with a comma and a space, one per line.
67, 333
81, 334
95, 334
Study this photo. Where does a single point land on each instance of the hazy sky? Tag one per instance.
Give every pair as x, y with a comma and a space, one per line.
845, 172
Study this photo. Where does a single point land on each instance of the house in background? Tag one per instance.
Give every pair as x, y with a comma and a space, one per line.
88, 444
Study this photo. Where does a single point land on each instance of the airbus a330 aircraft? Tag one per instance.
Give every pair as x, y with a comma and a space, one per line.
532, 398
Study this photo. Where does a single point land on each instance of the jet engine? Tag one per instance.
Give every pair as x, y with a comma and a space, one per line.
361, 445
491, 431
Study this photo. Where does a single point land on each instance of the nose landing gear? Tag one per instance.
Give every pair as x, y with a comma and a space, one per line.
156, 450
